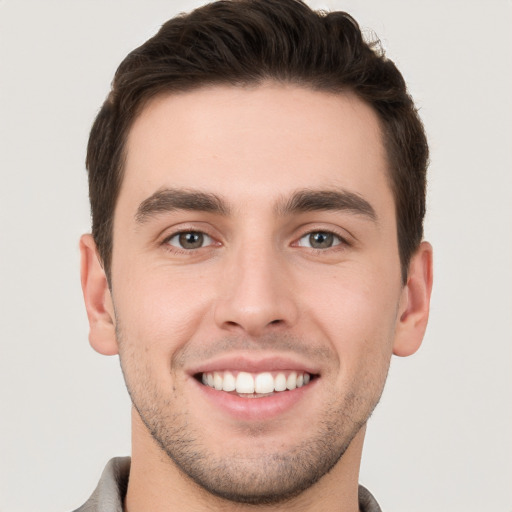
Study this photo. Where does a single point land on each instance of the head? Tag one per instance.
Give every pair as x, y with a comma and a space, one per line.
246, 42
257, 182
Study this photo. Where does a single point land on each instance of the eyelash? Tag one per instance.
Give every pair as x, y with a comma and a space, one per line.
176, 249
338, 241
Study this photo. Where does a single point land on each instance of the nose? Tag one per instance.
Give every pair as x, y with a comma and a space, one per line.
255, 293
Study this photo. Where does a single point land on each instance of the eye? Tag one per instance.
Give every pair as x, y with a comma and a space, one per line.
319, 240
189, 240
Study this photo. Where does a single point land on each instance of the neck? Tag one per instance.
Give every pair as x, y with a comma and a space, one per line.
156, 484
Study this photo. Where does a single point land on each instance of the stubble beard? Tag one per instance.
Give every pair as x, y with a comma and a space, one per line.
264, 478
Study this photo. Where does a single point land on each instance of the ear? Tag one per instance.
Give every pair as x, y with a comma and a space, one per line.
414, 303
98, 301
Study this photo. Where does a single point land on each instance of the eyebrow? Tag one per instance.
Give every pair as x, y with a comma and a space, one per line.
301, 201
327, 200
168, 200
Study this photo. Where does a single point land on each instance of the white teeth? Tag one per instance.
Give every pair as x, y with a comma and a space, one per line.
217, 381
280, 382
244, 383
291, 381
229, 383
262, 383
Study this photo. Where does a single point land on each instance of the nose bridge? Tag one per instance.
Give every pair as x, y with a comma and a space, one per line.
255, 293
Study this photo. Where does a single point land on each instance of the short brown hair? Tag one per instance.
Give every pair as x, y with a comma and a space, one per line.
241, 42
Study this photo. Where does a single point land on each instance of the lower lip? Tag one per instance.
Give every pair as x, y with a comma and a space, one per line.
255, 409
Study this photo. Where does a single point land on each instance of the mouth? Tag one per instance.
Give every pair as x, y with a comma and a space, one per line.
255, 385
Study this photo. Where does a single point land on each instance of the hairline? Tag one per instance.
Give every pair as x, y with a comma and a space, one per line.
153, 94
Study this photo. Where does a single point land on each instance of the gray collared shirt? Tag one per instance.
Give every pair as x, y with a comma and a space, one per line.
111, 490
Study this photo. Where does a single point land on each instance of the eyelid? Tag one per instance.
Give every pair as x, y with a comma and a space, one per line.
207, 238
170, 233
344, 237
337, 240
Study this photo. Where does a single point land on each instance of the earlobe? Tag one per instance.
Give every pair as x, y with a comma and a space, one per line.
415, 303
98, 301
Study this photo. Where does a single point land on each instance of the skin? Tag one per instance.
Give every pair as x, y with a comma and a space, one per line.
255, 291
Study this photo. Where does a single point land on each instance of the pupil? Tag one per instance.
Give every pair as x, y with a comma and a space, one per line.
321, 240
191, 240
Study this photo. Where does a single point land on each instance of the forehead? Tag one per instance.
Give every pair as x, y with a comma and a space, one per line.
254, 145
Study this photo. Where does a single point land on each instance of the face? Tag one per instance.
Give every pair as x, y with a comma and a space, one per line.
255, 282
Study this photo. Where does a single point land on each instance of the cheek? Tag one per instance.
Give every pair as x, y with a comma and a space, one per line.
357, 312
159, 311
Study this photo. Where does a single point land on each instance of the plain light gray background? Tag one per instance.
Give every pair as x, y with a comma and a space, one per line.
441, 439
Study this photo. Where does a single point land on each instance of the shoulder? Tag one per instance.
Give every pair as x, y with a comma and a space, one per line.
111, 489
367, 503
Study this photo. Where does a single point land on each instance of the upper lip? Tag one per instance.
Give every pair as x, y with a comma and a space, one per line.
253, 364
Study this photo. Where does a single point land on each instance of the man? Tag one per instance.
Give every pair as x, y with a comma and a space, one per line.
257, 185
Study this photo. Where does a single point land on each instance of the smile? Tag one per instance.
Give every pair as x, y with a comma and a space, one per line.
254, 385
